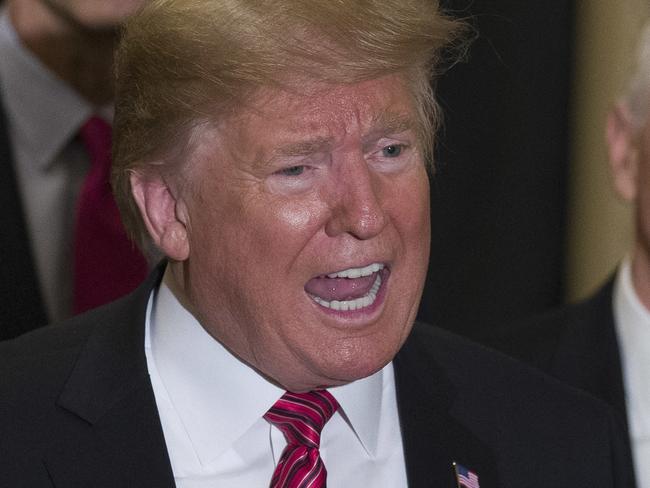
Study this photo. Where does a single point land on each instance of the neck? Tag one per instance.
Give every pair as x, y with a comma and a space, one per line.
641, 275
82, 58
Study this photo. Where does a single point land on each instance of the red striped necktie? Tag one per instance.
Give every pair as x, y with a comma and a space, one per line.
107, 264
301, 417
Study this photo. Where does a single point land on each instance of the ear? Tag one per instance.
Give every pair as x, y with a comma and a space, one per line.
623, 151
163, 213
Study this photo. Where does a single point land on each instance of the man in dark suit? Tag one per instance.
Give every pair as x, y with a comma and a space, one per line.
55, 73
93, 419
602, 344
275, 152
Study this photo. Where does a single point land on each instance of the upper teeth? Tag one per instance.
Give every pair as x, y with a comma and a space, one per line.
357, 272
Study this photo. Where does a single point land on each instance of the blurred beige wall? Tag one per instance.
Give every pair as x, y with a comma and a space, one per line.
600, 226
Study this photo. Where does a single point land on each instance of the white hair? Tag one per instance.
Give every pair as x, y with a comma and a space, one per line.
637, 94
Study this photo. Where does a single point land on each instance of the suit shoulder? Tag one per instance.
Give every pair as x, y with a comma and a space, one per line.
536, 340
51, 339
35, 364
477, 368
46, 355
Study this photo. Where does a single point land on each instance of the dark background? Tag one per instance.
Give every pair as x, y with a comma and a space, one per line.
498, 195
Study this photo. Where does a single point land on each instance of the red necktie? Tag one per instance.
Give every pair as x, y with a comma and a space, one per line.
107, 264
301, 417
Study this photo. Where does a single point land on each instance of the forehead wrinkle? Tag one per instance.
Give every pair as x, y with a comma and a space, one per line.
297, 131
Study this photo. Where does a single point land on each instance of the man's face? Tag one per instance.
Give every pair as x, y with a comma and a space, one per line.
308, 228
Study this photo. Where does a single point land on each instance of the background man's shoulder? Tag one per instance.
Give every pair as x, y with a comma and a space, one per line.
540, 340
38, 361
484, 369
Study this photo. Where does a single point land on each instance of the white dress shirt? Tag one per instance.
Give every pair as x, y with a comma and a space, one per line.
44, 115
632, 320
211, 407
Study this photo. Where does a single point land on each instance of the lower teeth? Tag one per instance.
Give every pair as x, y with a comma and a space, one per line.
356, 304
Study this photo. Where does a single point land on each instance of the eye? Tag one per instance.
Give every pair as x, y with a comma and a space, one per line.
392, 151
292, 171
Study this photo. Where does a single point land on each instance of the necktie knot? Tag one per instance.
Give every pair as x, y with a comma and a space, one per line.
301, 418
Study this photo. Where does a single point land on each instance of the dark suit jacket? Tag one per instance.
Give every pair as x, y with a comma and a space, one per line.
23, 308
77, 410
576, 344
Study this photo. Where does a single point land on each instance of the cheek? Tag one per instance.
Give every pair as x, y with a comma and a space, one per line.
410, 211
282, 229
255, 237
295, 218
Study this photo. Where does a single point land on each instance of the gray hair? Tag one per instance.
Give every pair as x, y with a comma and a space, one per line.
636, 96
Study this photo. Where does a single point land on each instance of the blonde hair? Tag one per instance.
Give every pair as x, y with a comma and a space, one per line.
183, 62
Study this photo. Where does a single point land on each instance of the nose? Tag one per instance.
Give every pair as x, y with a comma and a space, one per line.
357, 208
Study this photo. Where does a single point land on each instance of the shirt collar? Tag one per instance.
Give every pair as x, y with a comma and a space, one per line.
634, 308
192, 365
632, 321
361, 404
45, 113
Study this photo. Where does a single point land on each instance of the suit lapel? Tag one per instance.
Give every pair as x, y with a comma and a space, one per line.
125, 448
22, 305
111, 406
433, 438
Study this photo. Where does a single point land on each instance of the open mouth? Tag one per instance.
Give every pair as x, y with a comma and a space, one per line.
350, 289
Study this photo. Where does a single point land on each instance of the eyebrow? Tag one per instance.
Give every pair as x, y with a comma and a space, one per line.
392, 123
304, 148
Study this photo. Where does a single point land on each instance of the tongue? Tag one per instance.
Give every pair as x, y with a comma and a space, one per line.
340, 288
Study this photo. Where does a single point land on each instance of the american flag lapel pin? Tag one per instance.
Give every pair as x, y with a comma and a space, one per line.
464, 477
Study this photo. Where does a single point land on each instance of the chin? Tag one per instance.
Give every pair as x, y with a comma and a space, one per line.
335, 369
355, 363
